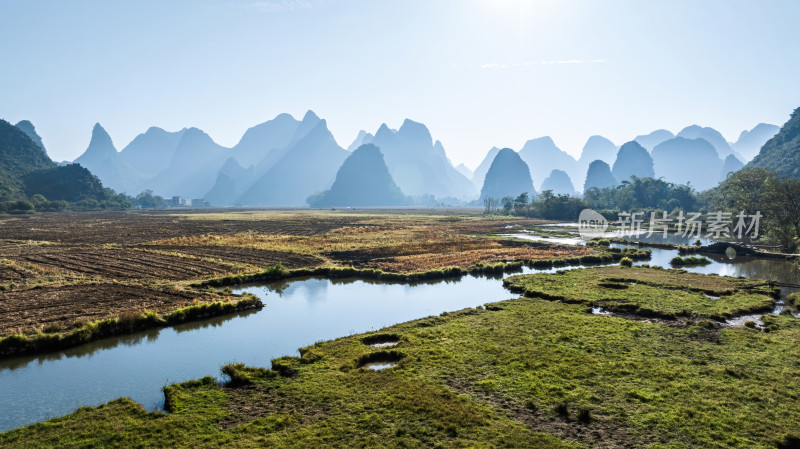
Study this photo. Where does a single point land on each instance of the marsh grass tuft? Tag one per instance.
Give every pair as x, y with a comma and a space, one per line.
687, 261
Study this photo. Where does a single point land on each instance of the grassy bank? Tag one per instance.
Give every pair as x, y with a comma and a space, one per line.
125, 324
520, 373
651, 292
278, 272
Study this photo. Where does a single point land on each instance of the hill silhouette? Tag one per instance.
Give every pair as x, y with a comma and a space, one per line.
27, 127
750, 142
26, 171
559, 183
19, 155
595, 148
464, 170
599, 176
598, 148
632, 160
729, 165
711, 136
782, 152
307, 167
682, 161
508, 175
103, 160
362, 181
264, 138
228, 188
151, 152
71, 183
193, 169
419, 165
650, 141
480, 172
543, 156
362, 138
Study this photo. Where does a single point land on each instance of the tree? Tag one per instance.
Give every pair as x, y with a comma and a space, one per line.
508, 203
146, 200
520, 202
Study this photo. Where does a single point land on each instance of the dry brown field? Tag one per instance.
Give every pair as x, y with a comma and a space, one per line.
58, 270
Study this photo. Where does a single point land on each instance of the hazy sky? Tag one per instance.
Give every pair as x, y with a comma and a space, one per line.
478, 73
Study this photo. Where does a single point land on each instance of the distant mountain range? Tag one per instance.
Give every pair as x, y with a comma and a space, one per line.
26, 171
419, 165
508, 175
650, 141
103, 160
632, 160
362, 181
559, 183
543, 156
781, 153
285, 161
694, 161
750, 142
599, 176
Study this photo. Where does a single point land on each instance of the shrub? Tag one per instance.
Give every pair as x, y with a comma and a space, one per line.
20, 207
626, 262
679, 261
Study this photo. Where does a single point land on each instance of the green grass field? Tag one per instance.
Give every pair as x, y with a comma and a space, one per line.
529, 372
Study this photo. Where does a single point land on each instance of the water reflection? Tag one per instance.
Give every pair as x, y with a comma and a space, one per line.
297, 313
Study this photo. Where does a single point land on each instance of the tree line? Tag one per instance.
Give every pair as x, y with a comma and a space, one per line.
777, 198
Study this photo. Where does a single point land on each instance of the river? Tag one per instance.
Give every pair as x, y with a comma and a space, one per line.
297, 313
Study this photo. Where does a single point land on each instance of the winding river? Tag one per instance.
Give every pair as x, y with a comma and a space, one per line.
297, 313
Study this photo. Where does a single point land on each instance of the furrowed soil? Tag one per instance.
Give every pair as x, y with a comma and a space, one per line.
527, 372
58, 308
91, 266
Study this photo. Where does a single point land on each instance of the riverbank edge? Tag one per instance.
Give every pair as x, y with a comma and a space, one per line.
19, 344
714, 248
643, 312
278, 272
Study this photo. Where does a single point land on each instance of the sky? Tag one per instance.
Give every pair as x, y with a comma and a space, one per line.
478, 73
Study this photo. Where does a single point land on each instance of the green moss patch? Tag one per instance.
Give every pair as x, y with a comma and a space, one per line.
648, 291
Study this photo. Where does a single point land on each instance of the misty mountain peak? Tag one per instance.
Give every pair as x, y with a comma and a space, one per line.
650, 141
540, 143
320, 130
27, 127
309, 122
362, 138
599, 176
154, 130
632, 160
559, 183
508, 175
310, 116
195, 135
411, 130
598, 147
362, 180
100, 144
283, 116
710, 135
383, 132
438, 149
